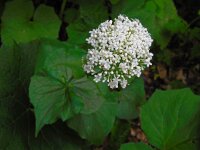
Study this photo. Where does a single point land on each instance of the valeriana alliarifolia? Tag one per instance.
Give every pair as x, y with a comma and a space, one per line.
120, 50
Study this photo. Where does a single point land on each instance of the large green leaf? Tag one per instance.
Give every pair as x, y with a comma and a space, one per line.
9, 66
92, 14
19, 135
55, 57
88, 91
135, 146
170, 119
17, 66
56, 137
78, 32
95, 126
49, 98
70, 15
55, 91
186, 146
53, 99
54, 53
20, 23
17, 121
129, 99
155, 16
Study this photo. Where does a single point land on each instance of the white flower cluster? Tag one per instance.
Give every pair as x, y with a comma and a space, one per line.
120, 50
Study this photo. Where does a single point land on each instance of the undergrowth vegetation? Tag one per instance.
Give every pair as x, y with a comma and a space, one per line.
48, 101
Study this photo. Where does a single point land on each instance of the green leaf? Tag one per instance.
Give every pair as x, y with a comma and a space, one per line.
186, 146
17, 66
54, 53
170, 118
130, 99
46, 22
18, 27
13, 12
92, 14
88, 91
78, 32
96, 126
17, 121
55, 91
108, 94
53, 99
9, 66
18, 134
96, 8
155, 16
70, 15
135, 146
55, 137
49, 99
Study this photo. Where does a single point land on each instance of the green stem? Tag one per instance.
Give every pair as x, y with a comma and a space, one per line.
62, 8
193, 21
119, 134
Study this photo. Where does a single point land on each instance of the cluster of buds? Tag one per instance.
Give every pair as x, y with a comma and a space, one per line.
120, 50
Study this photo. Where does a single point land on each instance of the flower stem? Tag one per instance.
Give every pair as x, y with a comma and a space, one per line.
62, 8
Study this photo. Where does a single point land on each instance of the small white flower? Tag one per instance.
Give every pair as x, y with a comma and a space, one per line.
98, 77
123, 83
87, 68
120, 50
123, 67
114, 83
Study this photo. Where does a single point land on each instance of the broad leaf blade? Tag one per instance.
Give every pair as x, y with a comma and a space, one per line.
170, 118
54, 54
129, 99
55, 91
49, 100
17, 121
95, 126
20, 24
89, 93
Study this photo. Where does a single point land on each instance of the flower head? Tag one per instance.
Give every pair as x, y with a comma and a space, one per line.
120, 50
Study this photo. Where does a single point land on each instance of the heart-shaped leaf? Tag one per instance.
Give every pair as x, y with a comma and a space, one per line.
17, 121
55, 91
170, 119
20, 23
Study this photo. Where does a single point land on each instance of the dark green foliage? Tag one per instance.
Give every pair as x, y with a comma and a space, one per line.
17, 121
170, 120
47, 101
154, 14
21, 23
